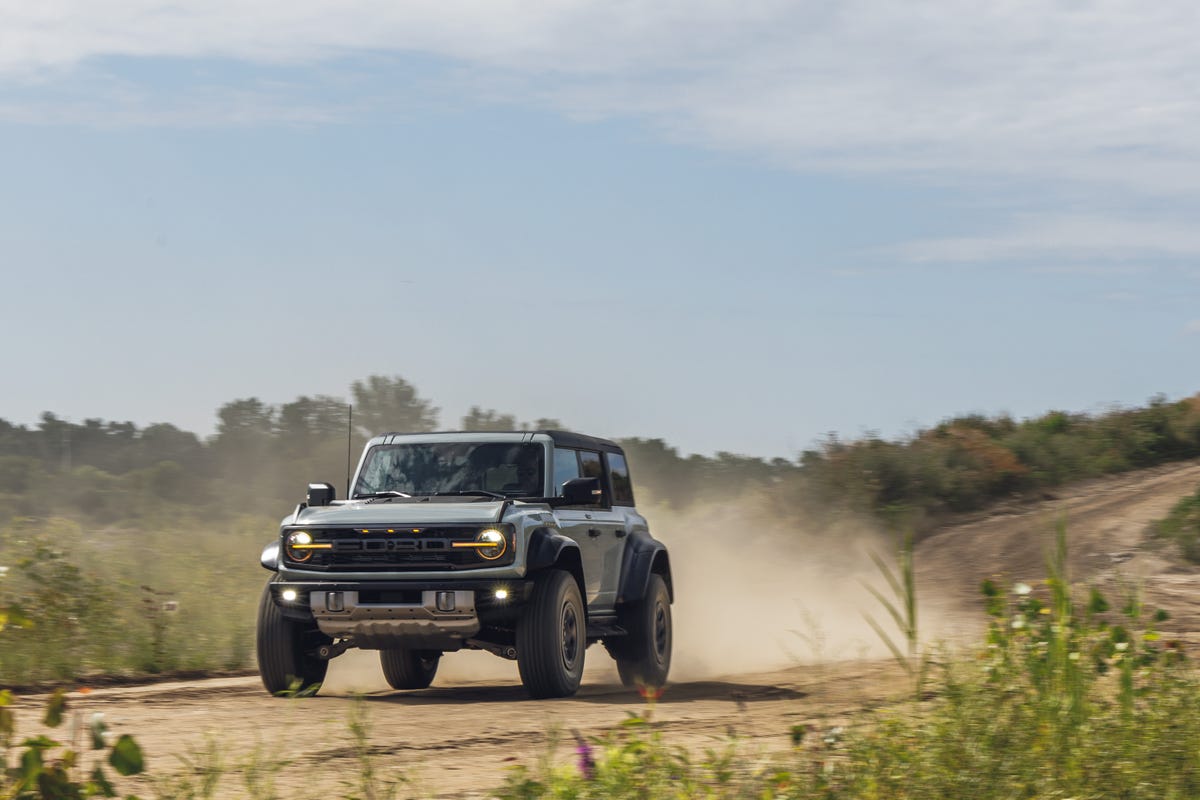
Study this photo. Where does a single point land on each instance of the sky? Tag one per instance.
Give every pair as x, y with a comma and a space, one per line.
736, 226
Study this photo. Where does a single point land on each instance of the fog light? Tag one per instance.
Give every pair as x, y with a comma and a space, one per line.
445, 601
502, 594
289, 595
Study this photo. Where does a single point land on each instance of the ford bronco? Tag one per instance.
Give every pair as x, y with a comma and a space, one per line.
526, 544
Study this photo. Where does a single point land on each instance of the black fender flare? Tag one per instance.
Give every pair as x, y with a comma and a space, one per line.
644, 556
547, 548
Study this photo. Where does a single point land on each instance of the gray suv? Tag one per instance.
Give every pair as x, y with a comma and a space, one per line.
526, 544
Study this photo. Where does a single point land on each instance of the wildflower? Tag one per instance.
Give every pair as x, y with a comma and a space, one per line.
84, 690
650, 693
1018, 622
1073, 656
1022, 589
3, 571
587, 762
1121, 646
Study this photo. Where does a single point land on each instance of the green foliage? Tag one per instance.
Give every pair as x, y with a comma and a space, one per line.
1182, 526
1063, 700
41, 768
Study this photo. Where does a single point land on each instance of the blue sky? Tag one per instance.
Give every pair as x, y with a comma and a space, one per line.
732, 226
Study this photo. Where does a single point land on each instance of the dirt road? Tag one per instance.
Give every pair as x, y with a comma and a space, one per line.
458, 738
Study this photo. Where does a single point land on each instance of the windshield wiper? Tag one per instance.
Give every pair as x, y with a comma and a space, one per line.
377, 495
471, 493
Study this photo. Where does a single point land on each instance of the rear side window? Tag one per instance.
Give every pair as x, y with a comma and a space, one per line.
566, 467
591, 467
622, 487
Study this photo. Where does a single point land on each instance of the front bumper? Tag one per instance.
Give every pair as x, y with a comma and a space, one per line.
382, 615
439, 620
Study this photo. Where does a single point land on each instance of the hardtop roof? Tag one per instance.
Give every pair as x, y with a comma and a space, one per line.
560, 438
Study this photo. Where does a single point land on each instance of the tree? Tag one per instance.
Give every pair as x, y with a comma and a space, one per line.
384, 404
478, 419
243, 420
308, 420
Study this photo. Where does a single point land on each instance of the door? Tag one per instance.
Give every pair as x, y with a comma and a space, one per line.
592, 527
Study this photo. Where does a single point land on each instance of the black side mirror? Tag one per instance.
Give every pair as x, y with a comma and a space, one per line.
321, 494
582, 492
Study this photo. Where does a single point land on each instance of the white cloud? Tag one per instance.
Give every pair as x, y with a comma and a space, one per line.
1101, 92
1107, 243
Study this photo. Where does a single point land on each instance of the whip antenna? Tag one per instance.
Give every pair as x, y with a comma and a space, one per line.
349, 434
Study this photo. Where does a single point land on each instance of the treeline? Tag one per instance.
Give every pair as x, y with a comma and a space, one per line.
262, 455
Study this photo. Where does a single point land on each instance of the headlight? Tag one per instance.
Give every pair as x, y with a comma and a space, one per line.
492, 544
300, 546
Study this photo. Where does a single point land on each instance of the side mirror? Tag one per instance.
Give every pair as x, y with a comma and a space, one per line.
321, 494
582, 492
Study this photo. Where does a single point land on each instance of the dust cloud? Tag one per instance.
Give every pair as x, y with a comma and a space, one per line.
755, 590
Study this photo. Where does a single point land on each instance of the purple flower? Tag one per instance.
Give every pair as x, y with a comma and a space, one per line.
587, 762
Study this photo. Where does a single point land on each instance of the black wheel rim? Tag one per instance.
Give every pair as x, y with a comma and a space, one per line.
662, 632
570, 636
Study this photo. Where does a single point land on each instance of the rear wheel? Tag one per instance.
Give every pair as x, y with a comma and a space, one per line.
284, 649
552, 637
409, 669
644, 655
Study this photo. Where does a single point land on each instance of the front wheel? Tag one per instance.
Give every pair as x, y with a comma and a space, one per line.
285, 650
409, 669
644, 655
552, 637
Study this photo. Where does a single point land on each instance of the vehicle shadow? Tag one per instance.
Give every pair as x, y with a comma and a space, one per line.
595, 693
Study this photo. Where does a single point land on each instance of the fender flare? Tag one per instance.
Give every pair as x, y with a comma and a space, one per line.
644, 556
548, 547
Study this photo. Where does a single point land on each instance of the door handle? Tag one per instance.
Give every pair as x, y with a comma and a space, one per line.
620, 533
593, 532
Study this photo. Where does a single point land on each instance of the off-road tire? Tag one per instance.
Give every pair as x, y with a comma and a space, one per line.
409, 669
284, 647
552, 637
644, 655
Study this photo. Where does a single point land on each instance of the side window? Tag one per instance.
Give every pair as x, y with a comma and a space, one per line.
622, 487
591, 467
566, 467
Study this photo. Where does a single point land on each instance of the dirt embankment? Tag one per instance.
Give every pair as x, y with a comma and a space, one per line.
762, 644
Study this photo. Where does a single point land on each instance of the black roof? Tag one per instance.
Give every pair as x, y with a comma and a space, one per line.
560, 438
570, 439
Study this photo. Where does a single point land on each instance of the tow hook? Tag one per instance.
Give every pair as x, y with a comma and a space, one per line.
502, 650
328, 651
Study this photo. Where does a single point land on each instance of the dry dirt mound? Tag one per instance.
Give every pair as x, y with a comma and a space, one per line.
1107, 523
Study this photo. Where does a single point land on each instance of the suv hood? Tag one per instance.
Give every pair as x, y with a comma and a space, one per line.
360, 513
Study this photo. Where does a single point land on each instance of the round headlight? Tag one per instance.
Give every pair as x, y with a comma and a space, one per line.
300, 553
496, 539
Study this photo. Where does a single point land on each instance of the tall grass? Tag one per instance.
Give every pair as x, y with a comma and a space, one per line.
86, 601
1067, 697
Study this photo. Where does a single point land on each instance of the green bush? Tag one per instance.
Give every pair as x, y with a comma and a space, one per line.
1182, 526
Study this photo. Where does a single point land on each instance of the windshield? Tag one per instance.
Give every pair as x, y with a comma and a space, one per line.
510, 469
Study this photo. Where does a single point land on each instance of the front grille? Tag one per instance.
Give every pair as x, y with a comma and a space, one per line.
398, 549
